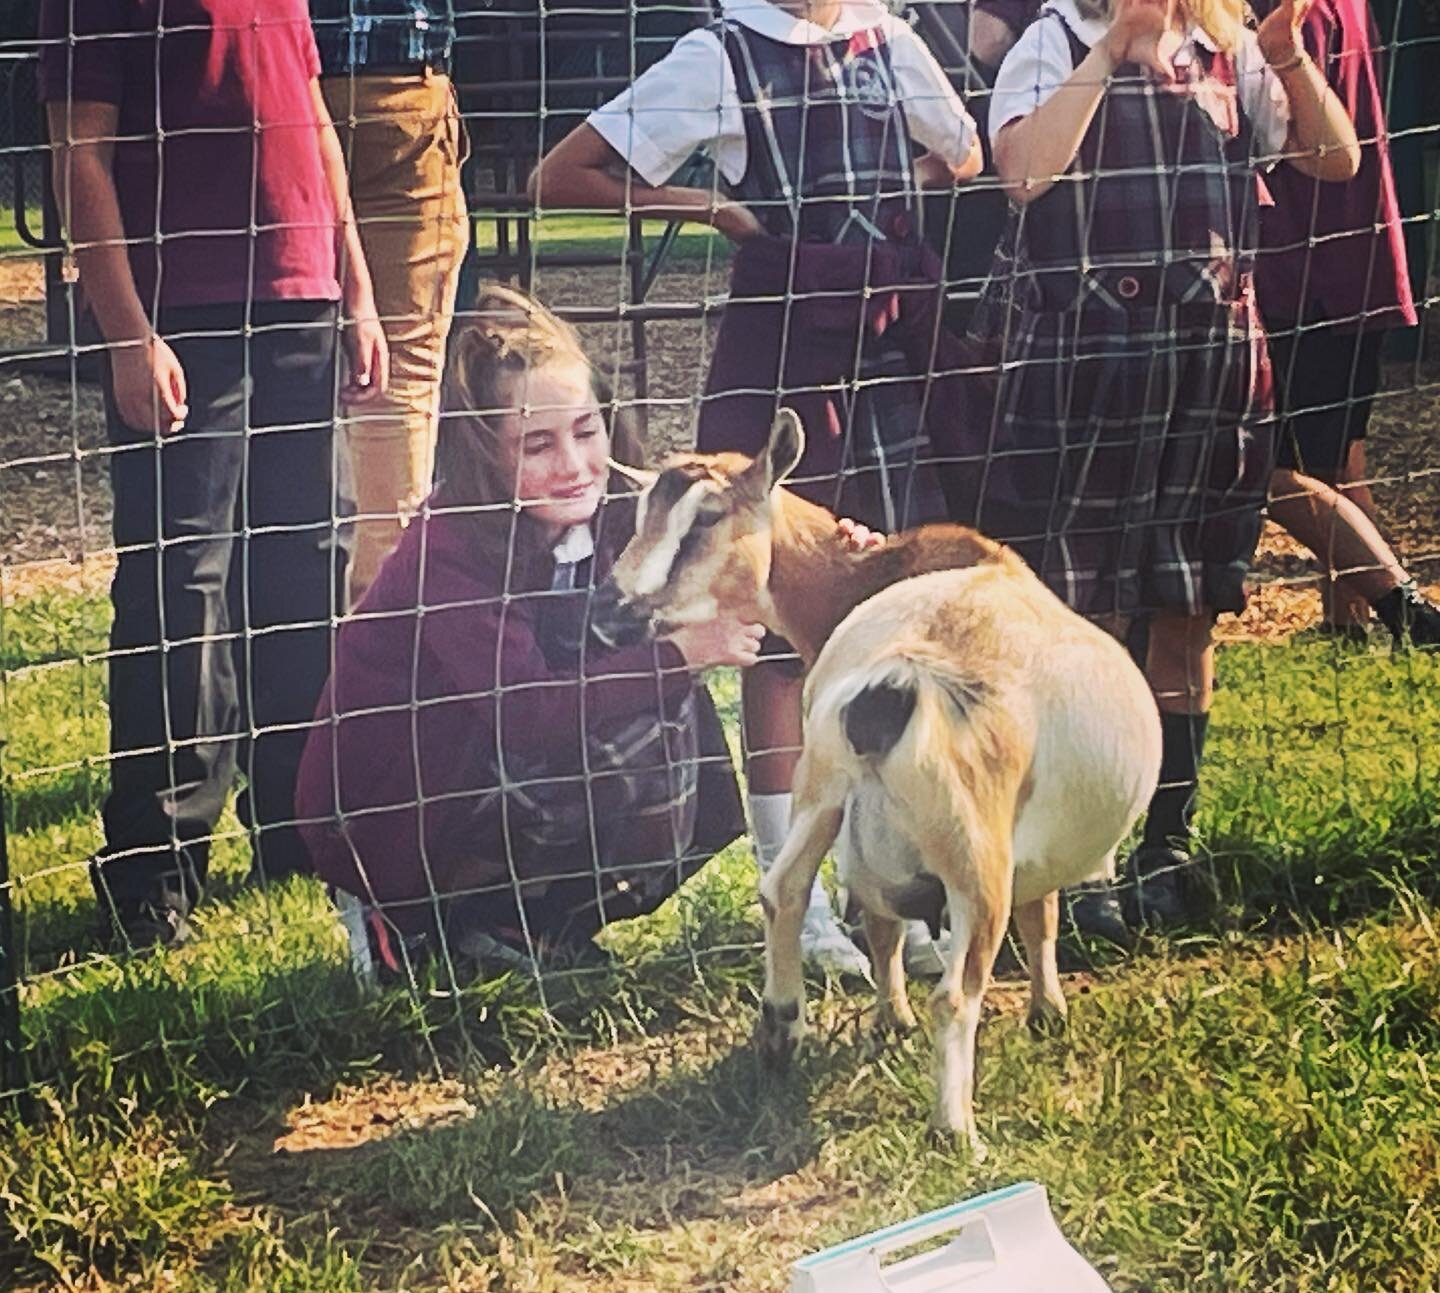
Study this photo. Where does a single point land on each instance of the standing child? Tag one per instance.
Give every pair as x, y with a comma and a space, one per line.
1130, 458
483, 772
1331, 280
812, 111
205, 197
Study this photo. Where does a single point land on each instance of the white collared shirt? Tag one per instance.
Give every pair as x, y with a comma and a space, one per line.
688, 100
1040, 63
573, 547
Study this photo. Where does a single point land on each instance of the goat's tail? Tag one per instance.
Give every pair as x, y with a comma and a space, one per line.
877, 713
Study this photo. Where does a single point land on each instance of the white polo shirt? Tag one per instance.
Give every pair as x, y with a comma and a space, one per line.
1040, 63
688, 100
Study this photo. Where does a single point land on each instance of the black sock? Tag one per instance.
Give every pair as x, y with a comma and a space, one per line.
1392, 607
1182, 743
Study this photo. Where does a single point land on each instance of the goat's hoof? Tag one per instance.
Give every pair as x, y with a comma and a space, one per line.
777, 1035
892, 1023
954, 1133
1046, 1020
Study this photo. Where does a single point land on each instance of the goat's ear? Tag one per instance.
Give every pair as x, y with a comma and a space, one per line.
635, 475
787, 444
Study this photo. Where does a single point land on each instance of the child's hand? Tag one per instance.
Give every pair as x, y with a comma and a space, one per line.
857, 537
737, 222
725, 641
148, 382
368, 358
1143, 32
1279, 35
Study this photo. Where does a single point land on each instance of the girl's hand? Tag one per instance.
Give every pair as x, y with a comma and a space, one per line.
148, 382
857, 537
1143, 32
725, 641
1279, 35
737, 222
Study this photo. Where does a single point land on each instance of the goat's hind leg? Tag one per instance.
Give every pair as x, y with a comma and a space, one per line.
784, 893
979, 911
1039, 925
886, 937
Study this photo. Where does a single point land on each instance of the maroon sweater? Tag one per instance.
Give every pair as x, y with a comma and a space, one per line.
1354, 271
437, 671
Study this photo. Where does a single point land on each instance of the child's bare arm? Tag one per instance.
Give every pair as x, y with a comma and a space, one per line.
1035, 150
583, 171
147, 379
1322, 137
933, 172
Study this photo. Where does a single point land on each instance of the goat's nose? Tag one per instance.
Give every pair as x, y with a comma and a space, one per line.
616, 620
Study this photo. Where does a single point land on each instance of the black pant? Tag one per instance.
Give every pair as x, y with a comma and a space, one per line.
229, 571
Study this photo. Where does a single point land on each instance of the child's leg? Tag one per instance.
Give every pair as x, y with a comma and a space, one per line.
173, 720
1181, 671
290, 580
770, 699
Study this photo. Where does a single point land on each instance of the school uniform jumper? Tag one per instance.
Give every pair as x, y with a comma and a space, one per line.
1131, 451
813, 130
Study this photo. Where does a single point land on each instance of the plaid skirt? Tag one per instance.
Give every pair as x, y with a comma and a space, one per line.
887, 479
604, 837
1132, 453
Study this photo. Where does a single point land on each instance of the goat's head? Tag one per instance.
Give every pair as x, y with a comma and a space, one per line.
702, 541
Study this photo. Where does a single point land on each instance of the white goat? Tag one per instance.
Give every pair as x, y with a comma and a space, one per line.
969, 741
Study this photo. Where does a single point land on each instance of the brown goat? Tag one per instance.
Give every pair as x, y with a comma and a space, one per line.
969, 741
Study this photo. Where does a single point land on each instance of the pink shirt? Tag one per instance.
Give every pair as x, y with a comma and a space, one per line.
217, 145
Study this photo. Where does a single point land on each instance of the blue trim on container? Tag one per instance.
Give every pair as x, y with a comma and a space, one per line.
915, 1223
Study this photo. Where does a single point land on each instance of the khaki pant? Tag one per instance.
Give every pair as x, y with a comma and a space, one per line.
404, 143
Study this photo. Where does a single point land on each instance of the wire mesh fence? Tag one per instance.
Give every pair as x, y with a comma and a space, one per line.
307, 722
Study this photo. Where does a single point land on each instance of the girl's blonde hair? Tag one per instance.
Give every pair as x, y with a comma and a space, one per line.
506, 335
1221, 20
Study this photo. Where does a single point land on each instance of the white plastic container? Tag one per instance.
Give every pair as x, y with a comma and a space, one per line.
1002, 1242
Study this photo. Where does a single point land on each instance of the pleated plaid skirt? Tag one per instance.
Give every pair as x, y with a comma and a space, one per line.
607, 836
1132, 453
887, 477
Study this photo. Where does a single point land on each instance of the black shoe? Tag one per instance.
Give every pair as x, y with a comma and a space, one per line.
1159, 891
1410, 616
495, 951
1094, 911
160, 919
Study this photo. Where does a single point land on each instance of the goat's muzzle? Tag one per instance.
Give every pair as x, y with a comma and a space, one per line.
617, 620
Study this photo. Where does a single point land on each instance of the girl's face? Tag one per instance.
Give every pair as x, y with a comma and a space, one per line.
559, 446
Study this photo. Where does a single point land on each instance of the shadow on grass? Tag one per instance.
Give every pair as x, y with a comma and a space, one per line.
517, 1149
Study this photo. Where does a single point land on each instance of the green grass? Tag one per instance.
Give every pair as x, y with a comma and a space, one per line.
1248, 1107
10, 240
578, 232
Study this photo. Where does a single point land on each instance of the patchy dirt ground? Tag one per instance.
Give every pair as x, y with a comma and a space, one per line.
55, 503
